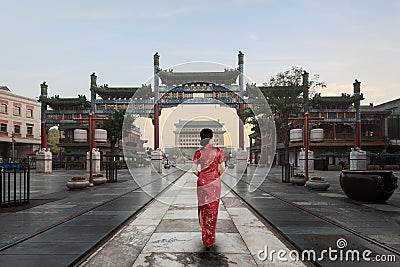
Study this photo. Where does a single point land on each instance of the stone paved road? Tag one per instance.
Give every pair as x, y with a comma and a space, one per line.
167, 233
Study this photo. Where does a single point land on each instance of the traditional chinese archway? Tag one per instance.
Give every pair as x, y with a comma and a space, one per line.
198, 87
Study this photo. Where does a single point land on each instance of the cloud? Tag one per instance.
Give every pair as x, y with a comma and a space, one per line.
253, 37
93, 15
176, 12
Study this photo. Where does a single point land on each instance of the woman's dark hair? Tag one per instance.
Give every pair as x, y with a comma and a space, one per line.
205, 136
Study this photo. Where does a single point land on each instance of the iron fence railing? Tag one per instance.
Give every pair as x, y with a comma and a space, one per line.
14, 186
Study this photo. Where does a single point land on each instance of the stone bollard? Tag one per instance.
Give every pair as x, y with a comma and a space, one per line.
95, 161
358, 160
241, 161
44, 161
302, 161
156, 160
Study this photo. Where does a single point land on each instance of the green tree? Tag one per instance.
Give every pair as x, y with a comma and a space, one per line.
288, 94
53, 139
113, 125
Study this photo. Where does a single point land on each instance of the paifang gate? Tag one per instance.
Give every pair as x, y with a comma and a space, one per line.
198, 88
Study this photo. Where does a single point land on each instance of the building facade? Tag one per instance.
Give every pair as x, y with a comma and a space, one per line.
339, 123
187, 133
392, 122
19, 124
70, 114
392, 130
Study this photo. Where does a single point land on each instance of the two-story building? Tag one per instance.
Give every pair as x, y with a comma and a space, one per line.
19, 125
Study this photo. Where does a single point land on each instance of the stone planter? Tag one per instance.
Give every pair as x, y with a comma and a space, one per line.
298, 180
98, 179
370, 186
317, 184
77, 183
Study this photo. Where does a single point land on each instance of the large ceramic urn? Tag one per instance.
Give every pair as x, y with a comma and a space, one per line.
370, 186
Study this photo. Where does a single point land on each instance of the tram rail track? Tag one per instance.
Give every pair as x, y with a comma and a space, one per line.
105, 238
329, 221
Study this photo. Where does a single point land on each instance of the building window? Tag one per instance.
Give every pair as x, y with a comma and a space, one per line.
3, 108
17, 129
17, 111
29, 129
29, 113
3, 127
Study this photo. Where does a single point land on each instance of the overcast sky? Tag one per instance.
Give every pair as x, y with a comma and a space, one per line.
63, 42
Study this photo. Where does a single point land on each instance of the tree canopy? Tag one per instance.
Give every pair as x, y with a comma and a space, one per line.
114, 128
114, 125
287, 94
53, 139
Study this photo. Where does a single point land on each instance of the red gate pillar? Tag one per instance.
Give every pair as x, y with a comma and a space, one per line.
358, 135
263, 159
43, 108
156, 60
43, 135
241, 126
156, 127
358, 95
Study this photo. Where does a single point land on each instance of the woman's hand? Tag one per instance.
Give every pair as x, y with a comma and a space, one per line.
194, 169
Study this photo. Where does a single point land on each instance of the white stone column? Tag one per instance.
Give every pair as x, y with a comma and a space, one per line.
358, 160
44, 161
156, 160
302, 161
95, 161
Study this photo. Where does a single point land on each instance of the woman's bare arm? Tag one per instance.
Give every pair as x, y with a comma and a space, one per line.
221, 168
194, 169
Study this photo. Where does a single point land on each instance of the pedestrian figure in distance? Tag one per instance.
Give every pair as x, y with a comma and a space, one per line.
212, 165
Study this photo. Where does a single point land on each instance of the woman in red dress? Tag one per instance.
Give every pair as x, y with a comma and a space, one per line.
212, 165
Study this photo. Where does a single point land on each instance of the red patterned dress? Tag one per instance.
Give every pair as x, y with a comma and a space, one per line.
208, 190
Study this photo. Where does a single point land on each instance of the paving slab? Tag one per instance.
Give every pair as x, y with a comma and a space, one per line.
292, 209
173, 236
69, 227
